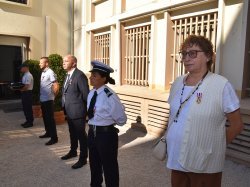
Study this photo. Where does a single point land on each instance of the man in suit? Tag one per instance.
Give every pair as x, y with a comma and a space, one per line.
74, 102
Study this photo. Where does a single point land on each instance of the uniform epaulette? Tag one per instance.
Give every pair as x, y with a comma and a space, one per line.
109, 93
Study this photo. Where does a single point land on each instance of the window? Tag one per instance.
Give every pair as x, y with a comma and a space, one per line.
19, 1
204, 24
137, 55
102, 47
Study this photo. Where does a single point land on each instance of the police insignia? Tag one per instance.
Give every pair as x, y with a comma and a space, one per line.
106, 90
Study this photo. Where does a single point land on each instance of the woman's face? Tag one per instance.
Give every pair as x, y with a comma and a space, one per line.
96, 80
194, 59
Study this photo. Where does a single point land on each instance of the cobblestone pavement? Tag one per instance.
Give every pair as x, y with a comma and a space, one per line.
26, 161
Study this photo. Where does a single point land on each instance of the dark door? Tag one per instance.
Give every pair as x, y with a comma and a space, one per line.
11, 59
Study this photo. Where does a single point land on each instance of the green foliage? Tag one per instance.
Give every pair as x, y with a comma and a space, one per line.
36, 72
56, 62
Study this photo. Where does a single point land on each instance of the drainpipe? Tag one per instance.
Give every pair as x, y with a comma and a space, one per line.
47, 35
71, 19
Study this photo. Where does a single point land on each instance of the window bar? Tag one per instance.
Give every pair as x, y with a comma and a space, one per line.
202, 26
136, 57
126, 56
140, 56
196, 25
133, 56
179, 44
144, 56
95, 46
190, 25
214, 30
185, 28
147, 54
174, 54
101, 48
104, 49
208, 26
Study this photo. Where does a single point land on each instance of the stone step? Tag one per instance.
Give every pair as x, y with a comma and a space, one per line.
11, 105
248, 92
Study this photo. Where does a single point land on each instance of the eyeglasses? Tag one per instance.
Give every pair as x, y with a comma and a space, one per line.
191, 54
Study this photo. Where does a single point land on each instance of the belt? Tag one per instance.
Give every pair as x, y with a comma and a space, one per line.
26, 91
101, 128
98, 129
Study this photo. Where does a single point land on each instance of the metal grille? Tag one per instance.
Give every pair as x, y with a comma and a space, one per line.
102, 47
204, 24
137, 55
154, 114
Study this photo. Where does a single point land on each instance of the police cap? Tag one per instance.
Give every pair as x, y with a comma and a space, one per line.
99, 66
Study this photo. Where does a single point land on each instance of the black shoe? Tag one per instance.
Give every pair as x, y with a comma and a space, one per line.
79, 164
69, 155
52, 141
27, 125
44, 136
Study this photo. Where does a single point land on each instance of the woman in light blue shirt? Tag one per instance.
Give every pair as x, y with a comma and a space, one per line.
104, 112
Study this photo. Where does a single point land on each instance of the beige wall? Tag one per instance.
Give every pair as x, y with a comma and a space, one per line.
29, 21
233, 43
230, 36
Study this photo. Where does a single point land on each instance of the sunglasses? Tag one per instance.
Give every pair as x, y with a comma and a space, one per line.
191, 54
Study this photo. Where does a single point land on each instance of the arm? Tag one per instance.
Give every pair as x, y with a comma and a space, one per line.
83, 86
55, 85
235, 125
117, 110
55, 88
25, 88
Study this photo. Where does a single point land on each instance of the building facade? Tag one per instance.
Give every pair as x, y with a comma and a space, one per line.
141, 39
30, 29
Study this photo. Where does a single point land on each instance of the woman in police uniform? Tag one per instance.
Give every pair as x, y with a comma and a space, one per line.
104, 112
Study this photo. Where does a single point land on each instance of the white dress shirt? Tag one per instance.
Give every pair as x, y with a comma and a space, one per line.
108, 108
176, 132
27, 79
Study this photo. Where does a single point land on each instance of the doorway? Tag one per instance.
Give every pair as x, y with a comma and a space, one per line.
11, 59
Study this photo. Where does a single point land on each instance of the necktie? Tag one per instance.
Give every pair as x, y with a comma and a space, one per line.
65, 85
92, 105
67, 81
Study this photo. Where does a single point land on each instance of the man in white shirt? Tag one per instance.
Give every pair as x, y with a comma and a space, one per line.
26, 95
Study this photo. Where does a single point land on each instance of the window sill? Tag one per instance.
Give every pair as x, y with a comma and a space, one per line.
141, 92
28, 5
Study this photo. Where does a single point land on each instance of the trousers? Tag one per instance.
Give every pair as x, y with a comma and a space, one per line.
103, 150
48, 118
77, 133
26, 97
189, 179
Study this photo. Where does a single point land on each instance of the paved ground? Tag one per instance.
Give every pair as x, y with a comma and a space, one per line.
26, 161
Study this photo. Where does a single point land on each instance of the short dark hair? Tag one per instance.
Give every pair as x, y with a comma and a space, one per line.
45, 58
205, 45
107, 75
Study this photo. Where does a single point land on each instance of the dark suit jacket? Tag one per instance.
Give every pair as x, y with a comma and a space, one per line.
76, 93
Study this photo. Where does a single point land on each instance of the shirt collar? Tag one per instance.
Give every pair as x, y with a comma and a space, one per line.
71, 72
99, 90
45, 69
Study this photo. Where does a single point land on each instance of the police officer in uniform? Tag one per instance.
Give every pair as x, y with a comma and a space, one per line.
104, 112
26, 95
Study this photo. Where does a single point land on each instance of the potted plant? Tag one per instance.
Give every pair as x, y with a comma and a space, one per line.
56, 62
36, 72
